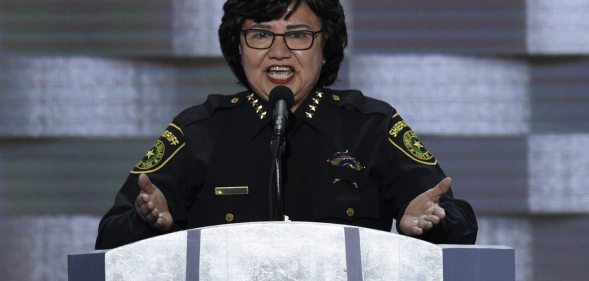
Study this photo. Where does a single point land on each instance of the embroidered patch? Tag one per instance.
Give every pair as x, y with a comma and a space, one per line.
165, 148
403, 138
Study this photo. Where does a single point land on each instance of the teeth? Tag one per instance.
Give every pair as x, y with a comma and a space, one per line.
280, 68
280, 75
280, 72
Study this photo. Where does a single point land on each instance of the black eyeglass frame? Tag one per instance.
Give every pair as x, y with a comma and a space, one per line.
313, 33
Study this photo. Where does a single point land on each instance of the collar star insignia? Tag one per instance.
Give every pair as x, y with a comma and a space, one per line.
255, 102
314, 105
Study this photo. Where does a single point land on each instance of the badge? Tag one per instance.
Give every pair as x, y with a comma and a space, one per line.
404, 139
165, 148
346, 167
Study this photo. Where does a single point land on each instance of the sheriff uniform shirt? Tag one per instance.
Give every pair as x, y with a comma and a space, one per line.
349, 159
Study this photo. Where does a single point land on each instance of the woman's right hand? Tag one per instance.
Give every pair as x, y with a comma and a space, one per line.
151, 205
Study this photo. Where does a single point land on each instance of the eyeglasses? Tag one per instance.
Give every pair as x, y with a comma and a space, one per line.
294, 40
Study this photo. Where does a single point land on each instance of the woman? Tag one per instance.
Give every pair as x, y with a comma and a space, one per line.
349, 159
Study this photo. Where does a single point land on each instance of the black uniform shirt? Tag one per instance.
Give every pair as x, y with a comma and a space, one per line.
349, 159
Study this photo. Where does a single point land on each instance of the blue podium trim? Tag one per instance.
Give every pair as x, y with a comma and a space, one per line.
353, 254
472, 262
88, 267
193, 255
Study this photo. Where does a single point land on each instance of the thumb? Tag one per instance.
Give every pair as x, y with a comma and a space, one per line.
437, 191
145, 184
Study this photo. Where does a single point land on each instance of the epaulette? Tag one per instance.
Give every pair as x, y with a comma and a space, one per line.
206, 109
362, 103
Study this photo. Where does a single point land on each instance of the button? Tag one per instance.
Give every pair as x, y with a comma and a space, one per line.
229, 217
350, 212
234, 100
335, 97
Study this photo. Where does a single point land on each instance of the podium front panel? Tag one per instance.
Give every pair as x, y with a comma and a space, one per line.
276, 251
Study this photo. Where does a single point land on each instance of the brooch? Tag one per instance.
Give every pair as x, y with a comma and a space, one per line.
346, 165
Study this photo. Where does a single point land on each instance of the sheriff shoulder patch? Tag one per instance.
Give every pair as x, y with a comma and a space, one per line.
165, 148
404, 139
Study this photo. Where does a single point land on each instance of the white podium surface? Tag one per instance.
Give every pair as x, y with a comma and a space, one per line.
291, 251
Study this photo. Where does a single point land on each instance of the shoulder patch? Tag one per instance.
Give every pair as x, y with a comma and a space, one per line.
404, 139
165, 148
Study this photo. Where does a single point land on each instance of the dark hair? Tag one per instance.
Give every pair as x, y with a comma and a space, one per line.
330, 12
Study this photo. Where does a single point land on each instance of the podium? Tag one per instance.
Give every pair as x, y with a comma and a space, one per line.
291, 251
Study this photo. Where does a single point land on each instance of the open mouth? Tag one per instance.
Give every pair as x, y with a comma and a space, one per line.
280, 74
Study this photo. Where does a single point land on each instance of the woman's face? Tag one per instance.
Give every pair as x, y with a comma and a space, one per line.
297, 69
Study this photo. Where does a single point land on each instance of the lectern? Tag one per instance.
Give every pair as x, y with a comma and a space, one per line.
291, 251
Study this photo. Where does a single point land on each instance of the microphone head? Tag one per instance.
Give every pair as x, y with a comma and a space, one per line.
281, 93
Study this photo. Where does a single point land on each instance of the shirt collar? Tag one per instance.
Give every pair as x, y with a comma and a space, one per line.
314, 110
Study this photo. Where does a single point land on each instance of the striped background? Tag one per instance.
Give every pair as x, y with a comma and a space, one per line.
496, 88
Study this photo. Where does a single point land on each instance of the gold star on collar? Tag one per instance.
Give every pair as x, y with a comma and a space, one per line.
314, 105
256, 106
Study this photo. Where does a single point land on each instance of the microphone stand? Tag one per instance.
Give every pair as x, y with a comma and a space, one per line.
283, 99
277, 145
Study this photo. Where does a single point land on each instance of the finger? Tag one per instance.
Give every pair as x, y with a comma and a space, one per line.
155, 213
141, 199
139, 207
412, 229
433, 219
439, 212
150, 205
416, 231
160, 221
145, 184
142, 207
437, 191
138, 203
145, 211
425, 225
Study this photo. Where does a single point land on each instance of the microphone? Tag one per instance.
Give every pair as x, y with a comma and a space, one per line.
282, 99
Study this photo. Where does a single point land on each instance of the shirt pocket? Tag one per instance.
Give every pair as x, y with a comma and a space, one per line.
344, 201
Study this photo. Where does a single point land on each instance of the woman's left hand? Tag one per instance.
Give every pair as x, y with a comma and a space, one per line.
423, 212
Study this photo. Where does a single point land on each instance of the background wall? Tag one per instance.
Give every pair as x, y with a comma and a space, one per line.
496, 88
